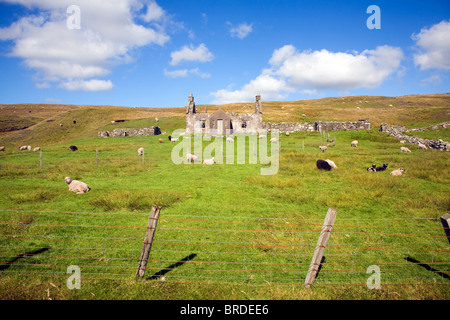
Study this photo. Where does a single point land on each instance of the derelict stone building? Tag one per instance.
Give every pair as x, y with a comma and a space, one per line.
222, 122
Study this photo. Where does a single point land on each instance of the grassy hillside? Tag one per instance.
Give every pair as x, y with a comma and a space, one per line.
249, 236
42, 122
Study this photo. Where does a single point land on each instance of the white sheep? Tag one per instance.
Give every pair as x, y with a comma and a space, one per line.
262, 136
141, 151
354, 143
230, 139
323, 148
402, 141
76, 186
273, 140
2, 148
209, 161
397, 172
156, 119
29, 148
174, 139
331, 163
422, 146
21, 148
36, 149
287, 134
191, 157
404, 149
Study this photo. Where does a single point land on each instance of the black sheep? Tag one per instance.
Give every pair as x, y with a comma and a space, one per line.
73, 148
372, 168
323, 165
170, 138
382, 168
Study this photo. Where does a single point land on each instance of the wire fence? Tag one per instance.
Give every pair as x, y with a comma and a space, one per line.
225, 249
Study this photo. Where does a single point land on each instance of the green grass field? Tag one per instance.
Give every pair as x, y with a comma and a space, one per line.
225, 231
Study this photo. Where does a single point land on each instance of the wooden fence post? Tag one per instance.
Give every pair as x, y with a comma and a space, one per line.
148, 240
320, 247
445, 220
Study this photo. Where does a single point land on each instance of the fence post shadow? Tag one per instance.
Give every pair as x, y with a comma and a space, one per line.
428, 267
162, 272
6, 265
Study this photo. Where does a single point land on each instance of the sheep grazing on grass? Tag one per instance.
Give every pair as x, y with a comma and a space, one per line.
2, 148
287, 134
323, 148
161, 140
173, 139
273, 140
262, 136
36, 149
73, 148
323, 165
397, 172
382, 168
422, 146
141, 151
77, 186
29, 148
209, 161
354, 143
331, 163
404, 149
191, 157
21, 148
156, 119
373, 168
402, 141
230, 139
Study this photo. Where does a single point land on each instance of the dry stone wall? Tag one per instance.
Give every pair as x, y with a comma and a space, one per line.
398, 132
128, 132
363, 124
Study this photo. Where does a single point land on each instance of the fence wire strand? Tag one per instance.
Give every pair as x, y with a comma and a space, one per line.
225, 249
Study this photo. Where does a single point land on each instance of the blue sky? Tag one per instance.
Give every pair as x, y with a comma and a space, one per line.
148, 53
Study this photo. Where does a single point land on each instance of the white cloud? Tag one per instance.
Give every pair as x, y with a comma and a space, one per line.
154, 12
433, 80
88, 85
241, 31
434, 47
200, 54
176, 73
182, 73
291, 70
337, 70
204, 19
107, 37
270, 87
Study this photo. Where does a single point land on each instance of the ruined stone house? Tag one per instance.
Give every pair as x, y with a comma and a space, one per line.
222, 123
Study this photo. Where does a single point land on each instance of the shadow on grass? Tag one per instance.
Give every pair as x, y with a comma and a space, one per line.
427, 267
162, 272
322, 261
6, 265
